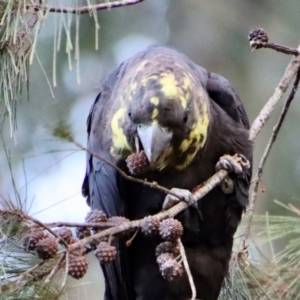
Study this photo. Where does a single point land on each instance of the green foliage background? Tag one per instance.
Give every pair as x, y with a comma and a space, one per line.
211, 33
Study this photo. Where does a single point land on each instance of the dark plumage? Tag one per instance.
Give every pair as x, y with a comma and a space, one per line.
185, 119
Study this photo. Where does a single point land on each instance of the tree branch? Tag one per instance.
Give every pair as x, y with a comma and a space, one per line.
276, 47
56, 268
111, 229
41, 224
170, 213
83, 9
121, 172
266, 111
265, 155
101, 225
187, 269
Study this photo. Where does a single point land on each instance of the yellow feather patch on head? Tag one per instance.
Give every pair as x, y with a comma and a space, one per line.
154, 113
186, 87
186, 82
144, 81
154, 100
133, 86
171, 89
183, 102
119, 140
169, 85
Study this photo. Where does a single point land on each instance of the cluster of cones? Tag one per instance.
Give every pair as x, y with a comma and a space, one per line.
47, 246
167, 253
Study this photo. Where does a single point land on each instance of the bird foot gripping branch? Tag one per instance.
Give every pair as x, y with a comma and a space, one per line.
236, 163
183, 195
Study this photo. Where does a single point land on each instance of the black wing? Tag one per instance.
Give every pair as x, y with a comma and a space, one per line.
222, 92
100, 187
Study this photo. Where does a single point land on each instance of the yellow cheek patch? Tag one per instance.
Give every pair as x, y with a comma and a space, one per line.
189, 159
119, 140
166, 161
185, 144
197, 137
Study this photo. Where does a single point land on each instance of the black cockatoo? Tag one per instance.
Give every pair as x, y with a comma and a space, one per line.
184, 118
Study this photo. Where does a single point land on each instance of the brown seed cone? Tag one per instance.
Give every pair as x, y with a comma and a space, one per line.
137, 163
171, 270
78, 266
167, 247
95, 242
46, 248
170, 229
32, 238
82, 232
258, 35
105, 252
96, 216
162, 258
150, 225
65, 233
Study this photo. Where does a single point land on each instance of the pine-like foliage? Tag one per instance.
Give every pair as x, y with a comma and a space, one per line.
20, 24
22, 274
16, 25
259, 275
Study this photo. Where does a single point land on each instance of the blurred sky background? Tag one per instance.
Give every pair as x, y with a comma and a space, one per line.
213, 33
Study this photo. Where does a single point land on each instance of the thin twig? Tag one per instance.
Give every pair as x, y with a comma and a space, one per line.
41, 224
266, 111
100, 225
121, 172
276, 47
187, 269
64, 281
129, 242
56, 268
294, 209
266, 153
83, 9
